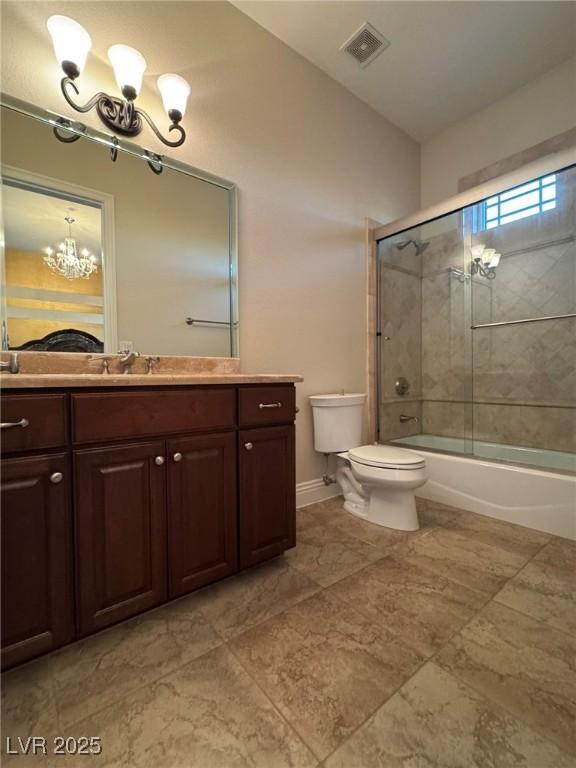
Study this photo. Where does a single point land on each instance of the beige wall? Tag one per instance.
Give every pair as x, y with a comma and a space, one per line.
538, 111
310, 159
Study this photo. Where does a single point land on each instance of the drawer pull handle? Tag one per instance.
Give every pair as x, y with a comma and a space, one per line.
56, 477
159, 460
270, 405
177, 457
248, 446
9, 424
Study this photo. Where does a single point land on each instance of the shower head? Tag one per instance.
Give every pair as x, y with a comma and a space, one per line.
419, 245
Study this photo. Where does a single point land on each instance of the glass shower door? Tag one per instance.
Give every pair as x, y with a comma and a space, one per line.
424, 360
522, 260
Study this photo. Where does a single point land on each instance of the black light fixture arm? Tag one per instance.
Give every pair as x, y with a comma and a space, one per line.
174, 126
477, 268
67, 82
120, 114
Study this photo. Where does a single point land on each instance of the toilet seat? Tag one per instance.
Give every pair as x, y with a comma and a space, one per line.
386, 456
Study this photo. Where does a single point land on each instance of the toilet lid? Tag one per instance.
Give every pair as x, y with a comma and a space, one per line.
386, 456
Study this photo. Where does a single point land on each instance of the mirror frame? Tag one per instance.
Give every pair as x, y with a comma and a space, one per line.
115, 144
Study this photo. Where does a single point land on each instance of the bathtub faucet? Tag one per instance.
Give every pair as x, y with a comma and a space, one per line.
404, 418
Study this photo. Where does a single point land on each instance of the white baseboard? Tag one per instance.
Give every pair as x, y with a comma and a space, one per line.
314, 490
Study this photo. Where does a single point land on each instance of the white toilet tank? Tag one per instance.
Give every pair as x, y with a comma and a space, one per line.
337, 422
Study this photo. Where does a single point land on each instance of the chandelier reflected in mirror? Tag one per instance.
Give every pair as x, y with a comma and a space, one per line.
67, 262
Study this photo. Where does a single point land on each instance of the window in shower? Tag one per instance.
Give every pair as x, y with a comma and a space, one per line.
529, 199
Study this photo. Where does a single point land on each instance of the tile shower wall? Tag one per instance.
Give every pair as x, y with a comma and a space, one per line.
521, 379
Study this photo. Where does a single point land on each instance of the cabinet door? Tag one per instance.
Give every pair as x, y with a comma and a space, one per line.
202, 519
267, 493
120, 532
37, 606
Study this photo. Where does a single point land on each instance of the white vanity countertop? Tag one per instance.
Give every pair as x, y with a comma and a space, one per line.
39, 380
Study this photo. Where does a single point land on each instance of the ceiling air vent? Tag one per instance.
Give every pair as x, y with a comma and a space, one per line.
365, 44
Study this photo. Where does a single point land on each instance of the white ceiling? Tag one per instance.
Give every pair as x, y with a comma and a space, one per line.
33, 221
446, 60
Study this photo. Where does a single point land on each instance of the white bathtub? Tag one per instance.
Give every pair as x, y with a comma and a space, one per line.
536, 498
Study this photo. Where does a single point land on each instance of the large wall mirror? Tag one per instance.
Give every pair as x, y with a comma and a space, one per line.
101, 256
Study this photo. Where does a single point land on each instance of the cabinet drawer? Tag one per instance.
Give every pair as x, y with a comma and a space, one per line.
267, 405
111, 415
44, 424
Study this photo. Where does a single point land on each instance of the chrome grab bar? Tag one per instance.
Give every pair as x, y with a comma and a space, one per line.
10, 424
270, 405
520, 322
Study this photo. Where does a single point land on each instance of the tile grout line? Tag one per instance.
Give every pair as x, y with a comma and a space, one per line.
378, 708
139, 688
540, 622
483, 695
432, 657
425, 659
272, 704
321, 590
499, 705
488, 601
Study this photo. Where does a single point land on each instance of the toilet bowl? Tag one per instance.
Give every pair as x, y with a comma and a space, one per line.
378, 483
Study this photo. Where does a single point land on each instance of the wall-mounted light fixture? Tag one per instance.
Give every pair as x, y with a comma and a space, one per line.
484, 261
71, 46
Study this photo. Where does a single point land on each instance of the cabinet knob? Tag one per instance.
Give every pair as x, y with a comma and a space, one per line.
177, 457
248, 446
159, 460
56, 477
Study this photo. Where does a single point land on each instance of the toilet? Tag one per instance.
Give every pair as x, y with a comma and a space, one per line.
378, 481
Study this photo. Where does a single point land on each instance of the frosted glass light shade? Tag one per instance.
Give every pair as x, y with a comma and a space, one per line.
174, 91
71, 43
488, 255
477, 251
129, 66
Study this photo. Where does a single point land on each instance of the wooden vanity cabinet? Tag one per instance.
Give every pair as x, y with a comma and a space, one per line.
267, 493
37, 603
202, 518
120, 512
129, 497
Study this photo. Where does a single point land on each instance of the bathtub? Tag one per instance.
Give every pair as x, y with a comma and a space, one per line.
542, 499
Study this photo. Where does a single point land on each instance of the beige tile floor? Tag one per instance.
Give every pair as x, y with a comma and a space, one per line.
452, 647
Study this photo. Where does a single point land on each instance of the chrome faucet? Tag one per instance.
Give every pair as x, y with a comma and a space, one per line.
404, 418
12, 365
127, 358
151, 361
